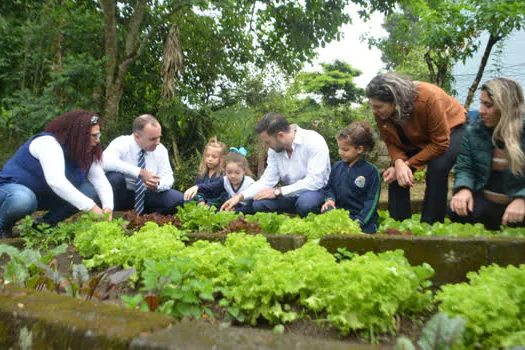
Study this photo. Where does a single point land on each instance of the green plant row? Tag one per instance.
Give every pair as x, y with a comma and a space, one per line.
447, 228
253, 282
197, 218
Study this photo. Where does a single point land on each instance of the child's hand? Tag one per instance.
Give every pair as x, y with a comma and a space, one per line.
191, 192
203, 203
328, 204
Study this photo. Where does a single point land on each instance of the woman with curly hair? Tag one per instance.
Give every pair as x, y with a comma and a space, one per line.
58, 170
422, 126
489, 182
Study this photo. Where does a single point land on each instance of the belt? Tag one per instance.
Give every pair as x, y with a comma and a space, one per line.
498, 198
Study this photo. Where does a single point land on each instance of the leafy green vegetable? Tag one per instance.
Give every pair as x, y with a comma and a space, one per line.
492, 303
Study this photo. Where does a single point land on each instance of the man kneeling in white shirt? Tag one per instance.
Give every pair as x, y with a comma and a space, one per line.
139, 170
298, 158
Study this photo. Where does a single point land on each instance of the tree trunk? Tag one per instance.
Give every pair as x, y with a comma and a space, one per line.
176, 154
172, 64
493, 39
430, 67
115, 70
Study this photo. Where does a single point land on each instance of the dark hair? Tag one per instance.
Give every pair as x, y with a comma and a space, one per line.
359, 133
272, 123
235, 157
142, 120
395, 88
73, 130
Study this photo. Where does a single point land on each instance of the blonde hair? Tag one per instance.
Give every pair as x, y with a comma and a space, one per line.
235, 157
507, 96
213, 142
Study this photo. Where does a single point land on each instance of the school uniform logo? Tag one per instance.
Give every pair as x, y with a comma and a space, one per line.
360, 181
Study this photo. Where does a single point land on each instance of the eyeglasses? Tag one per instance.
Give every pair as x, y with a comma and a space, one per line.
94, 120
96, 135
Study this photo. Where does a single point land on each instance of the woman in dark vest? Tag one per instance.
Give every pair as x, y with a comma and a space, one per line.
58, 170
422, 126
489, 182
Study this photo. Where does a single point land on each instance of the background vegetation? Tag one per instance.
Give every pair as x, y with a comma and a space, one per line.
213, 67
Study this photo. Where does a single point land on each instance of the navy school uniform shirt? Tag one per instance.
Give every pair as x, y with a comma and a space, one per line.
357, 190
217, 192
206, 179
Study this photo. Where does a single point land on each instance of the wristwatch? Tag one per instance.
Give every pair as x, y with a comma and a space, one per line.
277, 192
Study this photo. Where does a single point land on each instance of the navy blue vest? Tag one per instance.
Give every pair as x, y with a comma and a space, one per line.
24, 169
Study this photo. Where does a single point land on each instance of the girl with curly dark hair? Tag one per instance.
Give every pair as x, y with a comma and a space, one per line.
59, 170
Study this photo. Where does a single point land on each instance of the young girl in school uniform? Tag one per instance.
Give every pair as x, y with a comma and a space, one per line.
212, 164
354, 183
237, 179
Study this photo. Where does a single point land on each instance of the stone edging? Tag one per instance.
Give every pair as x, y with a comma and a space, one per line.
43, 320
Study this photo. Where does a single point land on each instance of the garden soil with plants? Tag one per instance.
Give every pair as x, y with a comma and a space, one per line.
305, 326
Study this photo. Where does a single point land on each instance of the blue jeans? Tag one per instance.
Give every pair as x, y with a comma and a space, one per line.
165, 202
306, 202
17, 201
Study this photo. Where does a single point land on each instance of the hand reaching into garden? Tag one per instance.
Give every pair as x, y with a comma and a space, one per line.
328, 204
191, 192
97, 210
515, 212
232, 202
109, 213
404, 175
463, 202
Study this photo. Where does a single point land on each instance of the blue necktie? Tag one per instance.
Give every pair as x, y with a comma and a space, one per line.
140, 189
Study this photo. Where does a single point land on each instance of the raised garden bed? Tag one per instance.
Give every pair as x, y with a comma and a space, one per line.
297, 287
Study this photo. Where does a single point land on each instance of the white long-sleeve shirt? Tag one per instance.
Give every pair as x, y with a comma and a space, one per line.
51, 157
307, 169
121, 156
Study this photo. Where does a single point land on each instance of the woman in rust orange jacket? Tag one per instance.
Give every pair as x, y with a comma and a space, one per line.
422, 126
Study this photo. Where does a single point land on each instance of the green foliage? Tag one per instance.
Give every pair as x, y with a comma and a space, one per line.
492, 303
47, 236
180, 292
106, 244
335, 84
270, 222
335, 221
437, 34
199, 218
29, 268
439, 333
446, 228
420, 175
253, 281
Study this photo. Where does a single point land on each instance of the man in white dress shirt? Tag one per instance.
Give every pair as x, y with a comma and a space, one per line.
121, 159
297, 158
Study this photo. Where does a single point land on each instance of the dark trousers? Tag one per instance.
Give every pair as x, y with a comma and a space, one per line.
164, 203
306, 202
436, 190
486, 212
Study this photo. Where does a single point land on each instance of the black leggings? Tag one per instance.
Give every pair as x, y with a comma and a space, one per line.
486, 212
435, 201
